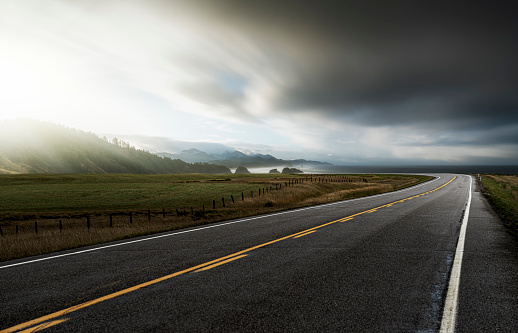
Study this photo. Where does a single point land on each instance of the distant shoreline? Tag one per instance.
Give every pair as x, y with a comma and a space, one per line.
369, 169
463, 169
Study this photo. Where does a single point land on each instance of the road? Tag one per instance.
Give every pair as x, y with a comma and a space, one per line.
376, 264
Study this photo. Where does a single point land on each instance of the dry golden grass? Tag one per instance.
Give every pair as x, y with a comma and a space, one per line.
74, 232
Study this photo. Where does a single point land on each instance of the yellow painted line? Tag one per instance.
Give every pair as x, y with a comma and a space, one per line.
44, 326
137, 287
307, 233
191, 269
346, 219
220, 263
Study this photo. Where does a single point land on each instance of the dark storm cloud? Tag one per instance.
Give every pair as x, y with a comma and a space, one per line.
477, 136
441, 64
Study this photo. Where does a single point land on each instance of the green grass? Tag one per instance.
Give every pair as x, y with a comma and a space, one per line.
63, 199
501, 191
91, 193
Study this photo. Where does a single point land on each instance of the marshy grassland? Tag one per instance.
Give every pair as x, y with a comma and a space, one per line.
502, 193
44, 213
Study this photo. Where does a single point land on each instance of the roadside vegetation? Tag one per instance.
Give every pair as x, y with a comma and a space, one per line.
50, 212
502, 193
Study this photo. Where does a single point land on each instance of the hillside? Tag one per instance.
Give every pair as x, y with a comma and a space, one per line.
30, 146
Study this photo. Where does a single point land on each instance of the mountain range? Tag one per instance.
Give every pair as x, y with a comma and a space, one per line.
235, 158
31, 146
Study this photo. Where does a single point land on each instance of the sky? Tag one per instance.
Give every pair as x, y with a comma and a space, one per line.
347, 82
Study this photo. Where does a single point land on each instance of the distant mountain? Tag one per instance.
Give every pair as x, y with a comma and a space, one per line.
161, 144
266, 157
217, 153
192, 155
235, 158
234, 155
30, 146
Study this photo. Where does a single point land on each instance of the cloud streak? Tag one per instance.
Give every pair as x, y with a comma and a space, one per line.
358, 82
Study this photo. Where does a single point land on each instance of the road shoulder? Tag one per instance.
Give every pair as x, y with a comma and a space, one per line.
488, 296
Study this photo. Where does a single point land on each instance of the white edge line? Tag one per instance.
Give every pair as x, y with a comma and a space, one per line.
450, 305
212, 226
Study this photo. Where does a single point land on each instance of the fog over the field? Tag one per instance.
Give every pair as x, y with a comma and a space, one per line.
349, 82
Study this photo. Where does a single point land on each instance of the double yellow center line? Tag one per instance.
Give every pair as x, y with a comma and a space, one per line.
44, 322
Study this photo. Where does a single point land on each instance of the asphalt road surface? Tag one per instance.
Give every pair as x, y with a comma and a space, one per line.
376, 264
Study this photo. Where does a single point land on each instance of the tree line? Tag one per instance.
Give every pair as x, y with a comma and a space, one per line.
40, 147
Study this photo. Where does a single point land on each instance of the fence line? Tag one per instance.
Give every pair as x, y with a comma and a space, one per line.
261, 191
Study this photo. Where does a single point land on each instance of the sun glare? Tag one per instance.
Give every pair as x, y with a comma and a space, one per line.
37, 84
26, 85
19, 88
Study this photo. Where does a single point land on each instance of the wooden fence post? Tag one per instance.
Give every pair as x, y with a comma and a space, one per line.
60, 226
131, 217
242, 196
223, 199
213, 204
88, 222
36, 226
111, 220
163, 212
232, 197
148, 215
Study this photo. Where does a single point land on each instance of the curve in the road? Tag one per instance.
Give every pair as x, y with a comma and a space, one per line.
48, 320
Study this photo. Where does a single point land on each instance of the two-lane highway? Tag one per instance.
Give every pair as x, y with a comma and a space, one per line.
380, 263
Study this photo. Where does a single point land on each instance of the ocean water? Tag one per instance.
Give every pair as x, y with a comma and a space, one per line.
458, 169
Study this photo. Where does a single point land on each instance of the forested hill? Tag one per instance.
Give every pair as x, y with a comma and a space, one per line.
30, 146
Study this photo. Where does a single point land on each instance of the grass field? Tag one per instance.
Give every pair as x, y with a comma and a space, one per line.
88, 192
46, 213
502, 193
